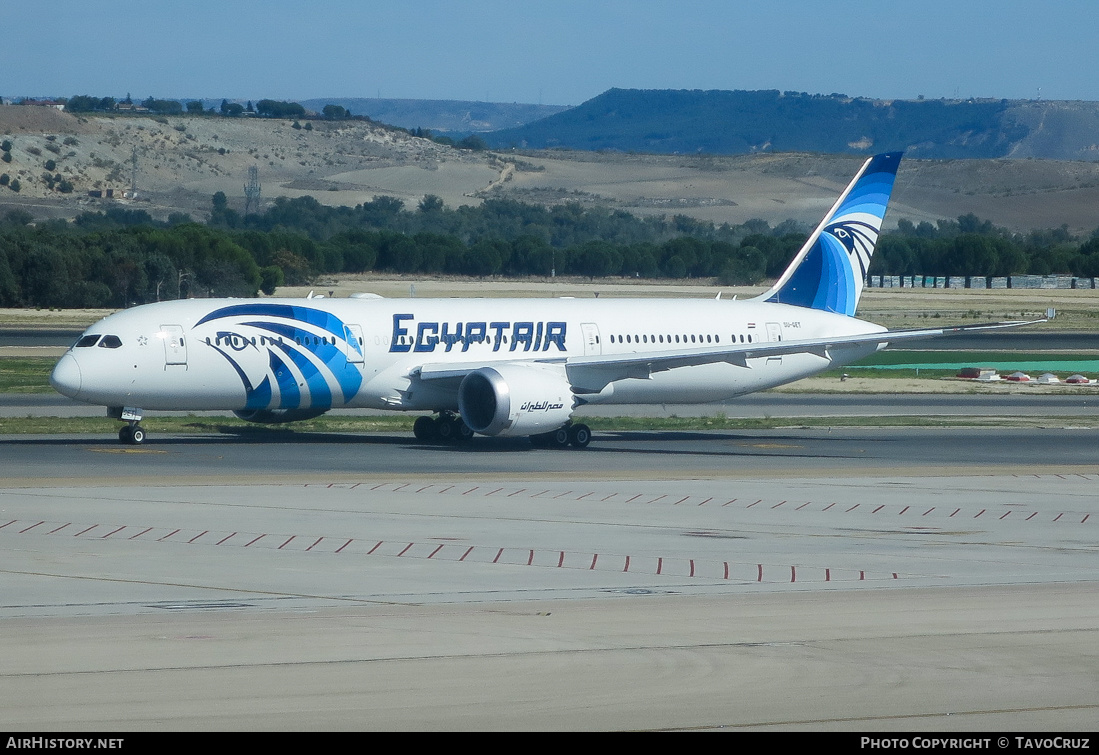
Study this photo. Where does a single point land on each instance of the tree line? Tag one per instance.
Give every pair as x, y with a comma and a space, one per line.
120, 257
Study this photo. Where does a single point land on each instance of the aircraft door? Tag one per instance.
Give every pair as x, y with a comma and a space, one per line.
774, 335
356, 344
175, 346
592, 347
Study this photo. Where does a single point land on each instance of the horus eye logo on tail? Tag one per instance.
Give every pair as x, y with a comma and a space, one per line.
829, 271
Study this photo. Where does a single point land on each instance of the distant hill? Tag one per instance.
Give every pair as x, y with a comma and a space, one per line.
743, 122
441, 116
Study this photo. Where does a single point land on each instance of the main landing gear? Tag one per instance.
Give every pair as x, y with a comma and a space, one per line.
446, 428
577, 435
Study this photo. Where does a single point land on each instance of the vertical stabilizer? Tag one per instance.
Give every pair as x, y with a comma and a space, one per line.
829, 271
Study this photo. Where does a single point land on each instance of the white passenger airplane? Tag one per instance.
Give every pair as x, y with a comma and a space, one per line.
507, 367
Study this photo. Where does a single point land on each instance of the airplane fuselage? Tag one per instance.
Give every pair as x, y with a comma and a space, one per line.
317, 354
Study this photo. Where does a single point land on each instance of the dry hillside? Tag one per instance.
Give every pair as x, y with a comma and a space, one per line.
182, 161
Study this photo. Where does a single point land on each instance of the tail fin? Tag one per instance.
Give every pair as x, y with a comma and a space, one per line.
829, 271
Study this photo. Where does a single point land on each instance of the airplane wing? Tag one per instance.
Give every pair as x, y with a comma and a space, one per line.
590, 374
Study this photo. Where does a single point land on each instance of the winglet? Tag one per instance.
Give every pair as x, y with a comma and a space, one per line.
829, 271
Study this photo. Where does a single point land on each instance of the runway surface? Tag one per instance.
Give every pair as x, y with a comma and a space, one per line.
858, 579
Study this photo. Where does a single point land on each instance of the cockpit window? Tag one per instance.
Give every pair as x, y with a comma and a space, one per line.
110, 342
86, 341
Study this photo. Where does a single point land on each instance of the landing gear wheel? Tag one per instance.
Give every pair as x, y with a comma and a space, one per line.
559, 438
579, 436
453, 430
425, 429
133, 435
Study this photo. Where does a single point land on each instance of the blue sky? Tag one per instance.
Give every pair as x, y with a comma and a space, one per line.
561, 52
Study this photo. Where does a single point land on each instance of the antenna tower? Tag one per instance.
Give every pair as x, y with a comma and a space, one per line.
133, 174
252, 191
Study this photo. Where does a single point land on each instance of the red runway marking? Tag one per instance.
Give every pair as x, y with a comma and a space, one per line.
436, 551
827, 575
980, 512
879, 508
379, 485
530, 560
161, 539
13, 521
561, 560
66, 524
1032, 516
256, 539
627, 564
731, 500
759, 572
567, 492
681, 500
287, 542
405, 550
793, 574
852, 508
349, 541
612, 495
750, 505
862, 575
692, 567
1058, 516
777, 505
594, 558
799, 508
726, 569
706, 501
1085, 518
471, 490
196, 537
1005, 515
895, 575
425, 487
659, 565
906, 508
470, 550
636, 496
498, 554
405, 485
829, 506
584, 496
135, 537
111, 532
494, 491
28, 529
89, 529
357, 484
448, 487
314, 545
929, 511
219, 542
955, 511
517, 492
657, 499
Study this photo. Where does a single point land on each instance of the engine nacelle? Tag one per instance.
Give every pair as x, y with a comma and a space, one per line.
274, 416
515, 400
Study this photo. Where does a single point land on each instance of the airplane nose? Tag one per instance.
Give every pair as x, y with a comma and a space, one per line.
65, 377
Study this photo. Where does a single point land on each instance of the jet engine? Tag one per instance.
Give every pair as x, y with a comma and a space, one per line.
515, 400
274, 416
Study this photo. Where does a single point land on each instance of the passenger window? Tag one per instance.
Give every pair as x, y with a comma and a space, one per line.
110, 342
86, 341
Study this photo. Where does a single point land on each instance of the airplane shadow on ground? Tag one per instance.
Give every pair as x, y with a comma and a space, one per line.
680, 443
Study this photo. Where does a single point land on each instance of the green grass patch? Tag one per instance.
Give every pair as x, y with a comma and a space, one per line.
26, 374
